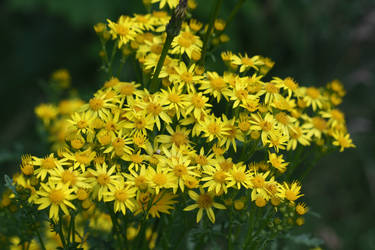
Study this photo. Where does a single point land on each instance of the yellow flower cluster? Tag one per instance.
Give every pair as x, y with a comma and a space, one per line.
203, 137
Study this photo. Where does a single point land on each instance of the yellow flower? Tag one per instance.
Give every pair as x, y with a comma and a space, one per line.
215, 85
238, 176
290, 192
46, 112
125, 29
162, 203
103, 180
342, 140
186, 42
161, 179
215, 179
277, 161
80, 159
247, 62
178, 137
122, 195
57, 196
205, 202
47, 165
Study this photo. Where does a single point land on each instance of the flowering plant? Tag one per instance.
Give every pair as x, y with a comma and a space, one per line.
183, 157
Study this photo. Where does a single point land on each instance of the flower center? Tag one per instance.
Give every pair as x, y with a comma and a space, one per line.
258, 181
103, 179
68, 176
180, 170
220, 176
96, 103
121, 195
217, 83
56, 196
205, 201
179, 138
160, 179
127, 89
48, 163
313, 92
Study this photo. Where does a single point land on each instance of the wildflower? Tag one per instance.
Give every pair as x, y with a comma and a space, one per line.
56, 196
215, 85
46, 112
290, 192
47, 165
162, 203
246, 62
343, 141
122, 196
125, 28
313, 98
103, 179
204, 201
186, 42
277, 162
160, 178
301, 208
216, 179
238, 176
171, 3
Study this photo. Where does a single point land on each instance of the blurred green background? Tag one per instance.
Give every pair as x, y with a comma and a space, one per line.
312, 41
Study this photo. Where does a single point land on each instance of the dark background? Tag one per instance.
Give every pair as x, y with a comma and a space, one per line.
312, 41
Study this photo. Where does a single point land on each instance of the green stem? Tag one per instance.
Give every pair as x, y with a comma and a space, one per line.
116, 226
230, 244
40, 239
61, 233
154, 86
213, 16
109, 67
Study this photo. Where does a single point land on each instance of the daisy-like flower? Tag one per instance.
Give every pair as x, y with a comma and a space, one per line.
103, 179
213, 128
177, 137
46, 112
80, 123
156, 110
238, 176
99, 105
233, 134
186, 42
122, 195
137, 179
69, 176
265, 125
161, 179
173, 99
139, 122
291, 192
80, 159
125, 29
162, 203
335, 117
245, 62
342, 140
215, 179
56, 196
128, 90
277, 139
313, 97
298, 134
47, 165
288, 84
277, 161
136, 160
198, 105
204, 202
119, 145
186, 76
215, 85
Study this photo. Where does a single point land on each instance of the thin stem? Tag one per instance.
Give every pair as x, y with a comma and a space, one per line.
213, 16
116, 226
40, 239
109, 66
61, 233
154, 86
